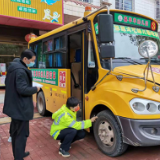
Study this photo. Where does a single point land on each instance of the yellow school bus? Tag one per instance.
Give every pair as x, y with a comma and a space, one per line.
109, 60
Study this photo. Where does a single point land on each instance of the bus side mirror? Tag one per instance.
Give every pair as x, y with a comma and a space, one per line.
107, 51
105, 27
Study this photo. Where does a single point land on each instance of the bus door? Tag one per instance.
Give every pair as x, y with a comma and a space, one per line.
76, 59
90, 68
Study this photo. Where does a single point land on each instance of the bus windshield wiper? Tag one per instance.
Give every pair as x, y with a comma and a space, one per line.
152, 59
129, 60
122, 58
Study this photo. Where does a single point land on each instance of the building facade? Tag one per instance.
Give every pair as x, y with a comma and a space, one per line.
149, 8
21, 19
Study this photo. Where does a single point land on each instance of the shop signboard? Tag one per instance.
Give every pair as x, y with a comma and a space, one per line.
50, 11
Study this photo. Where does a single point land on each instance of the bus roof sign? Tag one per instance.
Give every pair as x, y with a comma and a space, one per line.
132, 20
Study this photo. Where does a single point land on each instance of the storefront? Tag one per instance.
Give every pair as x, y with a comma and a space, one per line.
20, 18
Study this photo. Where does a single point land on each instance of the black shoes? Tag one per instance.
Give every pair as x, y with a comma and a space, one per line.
26, 154
63, 153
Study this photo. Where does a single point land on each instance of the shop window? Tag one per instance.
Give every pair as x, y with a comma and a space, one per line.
124, 5
48, 46
157, 9
59, 43
8, 52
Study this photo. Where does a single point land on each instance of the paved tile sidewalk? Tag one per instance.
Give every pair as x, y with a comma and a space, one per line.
43, 147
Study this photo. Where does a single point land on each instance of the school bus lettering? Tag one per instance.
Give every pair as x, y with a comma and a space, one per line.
62, 79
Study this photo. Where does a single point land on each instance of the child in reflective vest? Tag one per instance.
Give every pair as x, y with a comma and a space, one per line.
65, 127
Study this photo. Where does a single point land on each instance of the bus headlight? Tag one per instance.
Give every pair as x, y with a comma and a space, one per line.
144, 106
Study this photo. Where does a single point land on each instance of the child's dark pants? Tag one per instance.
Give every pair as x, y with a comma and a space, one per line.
68, 136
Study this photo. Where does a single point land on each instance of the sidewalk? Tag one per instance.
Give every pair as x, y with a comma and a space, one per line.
42, 147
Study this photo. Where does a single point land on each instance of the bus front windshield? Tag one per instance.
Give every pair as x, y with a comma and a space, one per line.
127, 41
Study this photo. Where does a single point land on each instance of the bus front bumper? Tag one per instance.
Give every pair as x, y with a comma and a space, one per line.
140, 132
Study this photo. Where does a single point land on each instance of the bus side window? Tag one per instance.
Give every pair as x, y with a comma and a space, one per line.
54, 53
91, 60
38, 50
48, 60
54, 60
59, 57
78, 55
59, 43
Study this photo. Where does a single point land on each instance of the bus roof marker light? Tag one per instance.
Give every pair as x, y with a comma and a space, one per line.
88, 8
104, 5
148, 49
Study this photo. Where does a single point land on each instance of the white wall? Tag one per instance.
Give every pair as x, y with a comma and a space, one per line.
96, 2
113, 4
145, 7
73, 9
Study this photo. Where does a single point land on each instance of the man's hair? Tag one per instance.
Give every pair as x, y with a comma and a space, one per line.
28, 53
72, 102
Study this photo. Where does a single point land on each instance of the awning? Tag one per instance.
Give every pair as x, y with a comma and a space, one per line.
27, 23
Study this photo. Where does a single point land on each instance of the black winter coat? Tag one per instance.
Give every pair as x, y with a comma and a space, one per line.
18, 102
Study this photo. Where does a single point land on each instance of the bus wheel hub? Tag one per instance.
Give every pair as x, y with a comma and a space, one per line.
106, 133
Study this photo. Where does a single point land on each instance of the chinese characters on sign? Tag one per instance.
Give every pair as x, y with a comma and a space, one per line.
121, 18
22, 1
131, 30
137, 31
49, 76
25, 9
62, 79
156, 70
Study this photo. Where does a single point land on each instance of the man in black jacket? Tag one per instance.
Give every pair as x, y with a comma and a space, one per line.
18, 102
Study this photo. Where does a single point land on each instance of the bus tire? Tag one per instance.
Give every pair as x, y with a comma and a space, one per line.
41, 104
108, 135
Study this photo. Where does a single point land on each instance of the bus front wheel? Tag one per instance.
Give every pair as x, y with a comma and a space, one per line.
41, 104
108, 135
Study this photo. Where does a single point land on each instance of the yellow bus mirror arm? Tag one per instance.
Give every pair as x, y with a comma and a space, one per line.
94, 87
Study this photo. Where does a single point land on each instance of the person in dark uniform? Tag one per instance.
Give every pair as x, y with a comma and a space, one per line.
10, 138
18, 102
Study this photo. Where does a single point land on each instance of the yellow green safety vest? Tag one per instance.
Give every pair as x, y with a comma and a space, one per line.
65, 118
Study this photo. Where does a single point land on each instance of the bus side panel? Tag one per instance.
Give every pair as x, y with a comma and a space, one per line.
56, 96
35, 99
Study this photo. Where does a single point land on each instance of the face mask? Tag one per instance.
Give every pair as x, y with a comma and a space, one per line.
31, 64
76, 109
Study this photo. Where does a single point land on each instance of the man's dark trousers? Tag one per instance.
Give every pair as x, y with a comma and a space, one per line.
68, 136
19, 133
